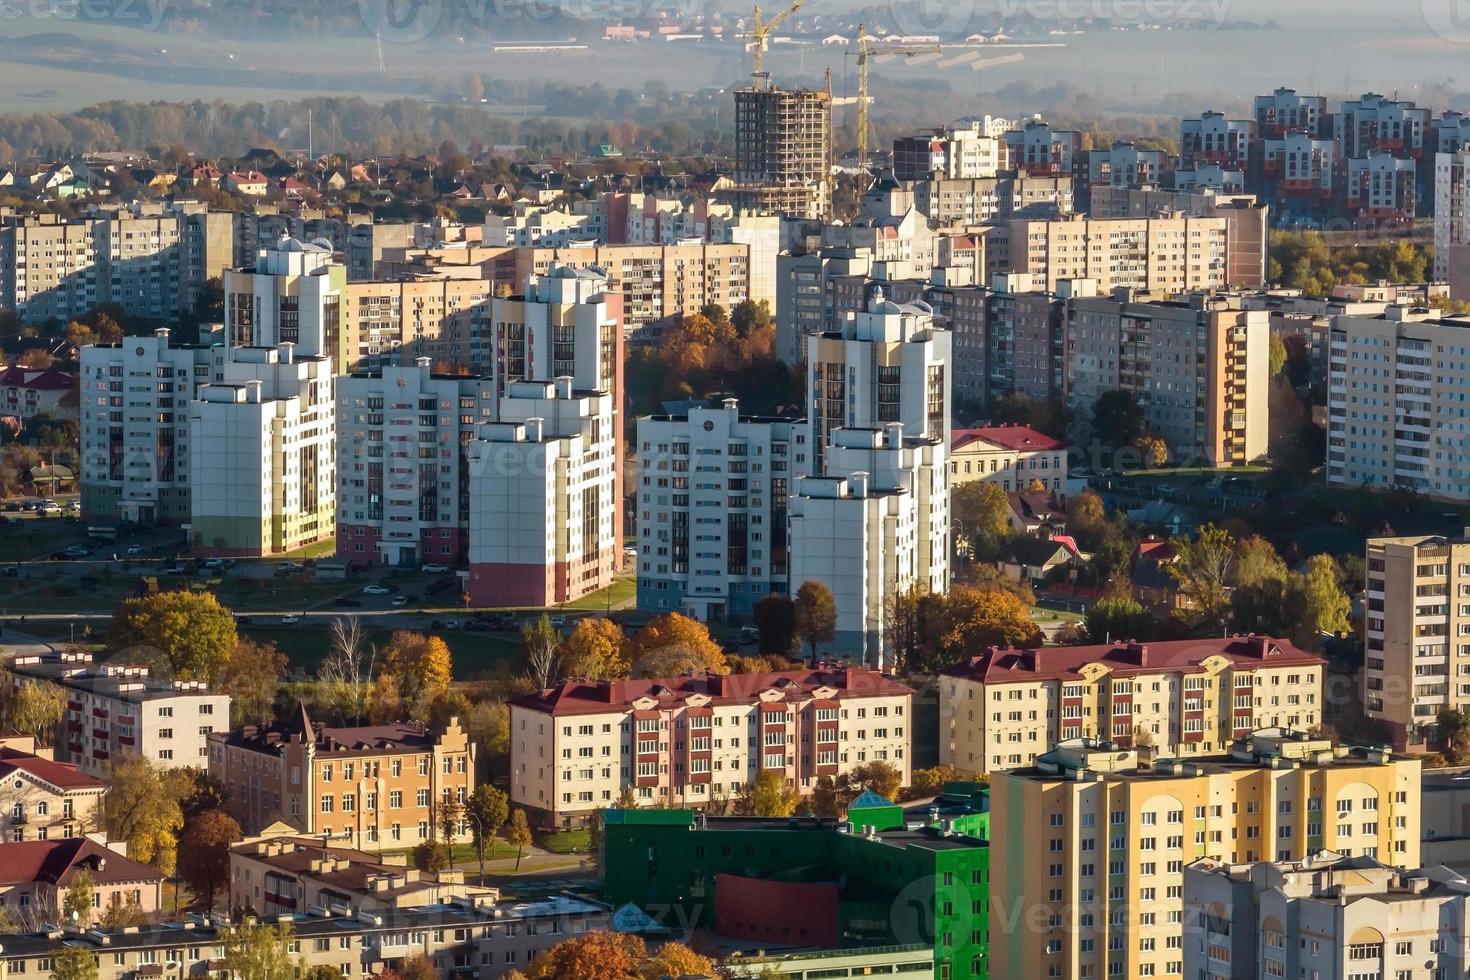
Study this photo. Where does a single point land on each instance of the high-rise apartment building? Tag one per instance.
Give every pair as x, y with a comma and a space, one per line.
1417, 658
1395, 417
543, 504
263, 474
1127, 165
1452, 222
712, 499
961, 152
968, 201
783, 151
403, 479
1382, 189
1170, 254
1213, 138
1199, 370
1374, 123
135, 456
1325, 915
873, 524
396, 322
292, 295
1299, 176
1184, 698
699, 739
803, 307
1284, 111
1097, 837
1041, 151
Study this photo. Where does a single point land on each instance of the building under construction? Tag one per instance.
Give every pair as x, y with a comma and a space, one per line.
783, 151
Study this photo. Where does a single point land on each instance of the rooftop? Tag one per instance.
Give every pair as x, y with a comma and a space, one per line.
329, 741
1021, 438
118, 680
1127, 659
53, 861
59, 775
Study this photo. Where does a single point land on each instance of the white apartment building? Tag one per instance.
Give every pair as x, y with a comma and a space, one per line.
1382, 188
1011, 456
264, 432
1199, 369
1452, 222
1170, 254
1002, 708
712, 496
116, 710
544, 225
293, 295
955, 152
1326, 916
1374, 122
1126, 165
695, 741
1395, 410
1214, 139
135, 428
403, 485
885, 363
875, 524
802, 305
543, 504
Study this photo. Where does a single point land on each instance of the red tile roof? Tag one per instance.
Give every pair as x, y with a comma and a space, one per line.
52, 861
58, 774
48, 379
594, 697
997, 666
1021, 438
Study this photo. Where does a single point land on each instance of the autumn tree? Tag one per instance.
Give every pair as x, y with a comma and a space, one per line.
540, 646
1321, 604
431, 856
925, 783
1203, 569
187, 634
1153, 451
597, 649
207, 839
420, 668
488, 725
76, 906
35, 709
983, 512
487, 809
816, 615
879, 776
260, 951
75, 963
344, 680
144, 808
768, 795
975, 619
420, 967
673, 644
598, 955
675, 959
1256, 562
775, 624
252, 678
519, 834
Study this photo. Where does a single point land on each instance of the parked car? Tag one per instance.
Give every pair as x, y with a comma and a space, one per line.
376, 590
292, 566
400, 600
433, 568
291, 620
212, 563
135, 549
451, 624
78, 551
558, 621
749, 634
49, 508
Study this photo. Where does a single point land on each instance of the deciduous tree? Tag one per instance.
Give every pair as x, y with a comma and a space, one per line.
775, 623
144, 809
1256, 561
1321, 603
1113, 619
206, 840
983, 511
74, 963
486, 810
540, 646
672, 644
420, 666
35, 709
1204, 570
188, 634
519, 834
77, 904
816, 615
260, 951
252, 678
596, 648
878, 776
770, 796
676, 959
591, 956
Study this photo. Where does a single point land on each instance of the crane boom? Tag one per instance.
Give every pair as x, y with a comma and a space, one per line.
760, 31
884, 53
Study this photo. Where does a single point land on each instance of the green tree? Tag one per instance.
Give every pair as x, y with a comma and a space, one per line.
827, 799
260, 951
1203, 569
1454, 735
519, 834
816, 614
35, 709
206, 840
1322, 604
983, 511
1278, 354
77, 905
144, 808
486, 810
1113, 619
188, 634
431, 856
252, 679
1117, 420
1256, 561
75, 963
775, 621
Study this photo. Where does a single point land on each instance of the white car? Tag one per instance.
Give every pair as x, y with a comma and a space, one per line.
212, 563
434, 569
400, 600
135, 549
290, 620
376, 590
292, 566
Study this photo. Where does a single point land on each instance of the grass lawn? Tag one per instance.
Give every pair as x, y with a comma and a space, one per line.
496, 850
1040, 614
565, 841
473, 651
321, 549
623, 590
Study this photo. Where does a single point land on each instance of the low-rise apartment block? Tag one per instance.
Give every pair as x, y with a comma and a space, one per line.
403, 476
116, 710
1012, 456
1326, 915
696, 741
1098, 835
712, 509
1394, 413
375, 787
1184, 698
44, 799
36, 875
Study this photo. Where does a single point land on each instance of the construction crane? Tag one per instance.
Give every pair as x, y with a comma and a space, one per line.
758, 35
883, 53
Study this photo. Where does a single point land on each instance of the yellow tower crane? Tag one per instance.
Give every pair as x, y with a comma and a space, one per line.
881, 52
758, 35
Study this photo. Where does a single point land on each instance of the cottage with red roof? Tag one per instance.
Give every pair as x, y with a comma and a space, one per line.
35, 875
28, 392
695, 741
1003, 708
45, 800
1013, 456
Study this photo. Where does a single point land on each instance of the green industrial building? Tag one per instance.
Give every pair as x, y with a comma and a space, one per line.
881, 878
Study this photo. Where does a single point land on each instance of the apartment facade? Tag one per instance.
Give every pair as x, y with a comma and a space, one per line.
264, 475
43, 799
1452, 222
1199, 370
544, 512
1325, 915
1184, 698
712, 510
783, 151
403, 475
1166, 255
1097, 837
960, 152
1011, 456
376, 787
695, 741
293, 294
1394, 418
116, 710
36, 875
135, 428
1213, 138
395, 322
